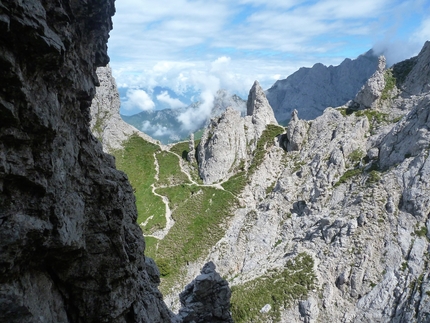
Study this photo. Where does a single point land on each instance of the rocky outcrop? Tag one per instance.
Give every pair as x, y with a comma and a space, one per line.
106, 123
206, 299
311, 90
296, 133
259, 109
352, 194
229, 141
417, 80
71, 250
370, 93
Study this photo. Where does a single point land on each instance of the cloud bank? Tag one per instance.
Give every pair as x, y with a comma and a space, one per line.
173, 103
137, 99
237, 42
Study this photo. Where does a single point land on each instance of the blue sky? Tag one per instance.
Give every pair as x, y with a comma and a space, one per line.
207, 45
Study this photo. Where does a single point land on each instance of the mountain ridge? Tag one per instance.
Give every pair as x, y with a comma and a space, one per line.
340, 198
311, 90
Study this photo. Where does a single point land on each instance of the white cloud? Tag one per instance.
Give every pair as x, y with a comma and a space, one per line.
173, 103
192, 118
155, 130
423, 32
138, 99
237, 42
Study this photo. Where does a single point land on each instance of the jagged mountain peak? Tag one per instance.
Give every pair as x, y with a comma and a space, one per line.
311, 90
231, 139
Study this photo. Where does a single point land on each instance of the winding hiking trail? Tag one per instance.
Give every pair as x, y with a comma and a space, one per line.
160, 234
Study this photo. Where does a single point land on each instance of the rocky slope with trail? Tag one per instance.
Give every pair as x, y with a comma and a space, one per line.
350, 189
71, 250
335, 212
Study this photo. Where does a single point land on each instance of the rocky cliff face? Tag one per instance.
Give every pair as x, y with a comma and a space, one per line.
353, 195
311, 90
106, 123
229, 141
70, 248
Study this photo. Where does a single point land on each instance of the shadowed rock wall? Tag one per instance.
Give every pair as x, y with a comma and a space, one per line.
70, 248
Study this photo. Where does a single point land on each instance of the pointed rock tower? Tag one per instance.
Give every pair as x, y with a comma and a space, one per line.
229, 140
259, 109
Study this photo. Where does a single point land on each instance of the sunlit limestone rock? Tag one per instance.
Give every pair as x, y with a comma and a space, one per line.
259, 109
368, 96
106, 123
222, 147
355, 198
296, 133
229, 140
417, 82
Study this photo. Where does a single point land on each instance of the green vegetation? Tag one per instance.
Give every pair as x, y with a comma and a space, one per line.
421, 232
200, 214
356, 156
182, 149
390, 83
270, 188
373, 116
374, 177
347, 175
169, 170
265, 142
236, 183
279, 288
137, 161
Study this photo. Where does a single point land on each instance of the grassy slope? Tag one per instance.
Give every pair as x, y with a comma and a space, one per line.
137, 161
200, 215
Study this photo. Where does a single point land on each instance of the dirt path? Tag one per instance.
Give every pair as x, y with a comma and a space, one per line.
160, 234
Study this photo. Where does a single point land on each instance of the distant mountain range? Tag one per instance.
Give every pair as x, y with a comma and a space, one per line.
165, 125
311, 90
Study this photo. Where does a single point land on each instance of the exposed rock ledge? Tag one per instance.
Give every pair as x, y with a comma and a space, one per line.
71, 250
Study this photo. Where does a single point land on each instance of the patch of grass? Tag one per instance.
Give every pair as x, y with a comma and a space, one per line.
374, 177
346, 111
181, 149
270, 188
169, 170
236, 183
279, 288
200, 214
356, 156
150, 244
421, 232
374, 117
137, 161
347, 175
390, 83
